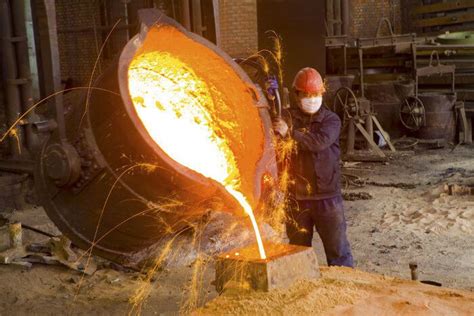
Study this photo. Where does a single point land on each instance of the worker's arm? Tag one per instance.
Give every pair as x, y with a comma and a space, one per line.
320, 136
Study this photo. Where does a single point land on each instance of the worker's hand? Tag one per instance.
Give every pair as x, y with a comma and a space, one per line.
280, 127
271, 86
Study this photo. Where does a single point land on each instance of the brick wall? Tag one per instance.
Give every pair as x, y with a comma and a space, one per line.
238, 27
365, 15
78, 50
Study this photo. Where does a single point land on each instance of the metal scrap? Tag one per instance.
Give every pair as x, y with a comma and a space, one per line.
56, 251
355, 196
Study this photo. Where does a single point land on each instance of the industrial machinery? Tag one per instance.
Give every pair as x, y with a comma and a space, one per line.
357, 113
412, 110
406, 82
107, 176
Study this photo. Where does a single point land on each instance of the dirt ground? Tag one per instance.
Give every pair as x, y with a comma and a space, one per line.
409, 218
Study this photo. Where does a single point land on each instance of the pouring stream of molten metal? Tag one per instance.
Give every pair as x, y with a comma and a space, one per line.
178, 111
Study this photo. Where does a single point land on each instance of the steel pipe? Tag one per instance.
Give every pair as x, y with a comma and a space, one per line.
13, 97
345, 16
26, 90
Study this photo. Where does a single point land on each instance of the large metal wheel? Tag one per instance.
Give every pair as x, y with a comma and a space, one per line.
346, 104
412, 113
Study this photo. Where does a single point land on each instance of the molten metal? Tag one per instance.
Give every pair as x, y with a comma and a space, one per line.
181, 112
134, 172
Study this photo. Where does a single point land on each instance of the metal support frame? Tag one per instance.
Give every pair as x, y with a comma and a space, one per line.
361, 70
198, 28
330, 17
9, 61
337, 18
432, 69
186, 14
24, 74
216, 10
345, 7
50, 63
340, 42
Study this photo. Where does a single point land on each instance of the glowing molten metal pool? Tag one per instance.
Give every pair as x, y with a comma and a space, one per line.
182, 112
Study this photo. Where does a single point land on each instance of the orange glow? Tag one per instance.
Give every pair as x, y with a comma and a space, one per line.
181, 111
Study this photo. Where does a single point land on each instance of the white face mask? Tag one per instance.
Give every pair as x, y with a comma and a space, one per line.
311, 105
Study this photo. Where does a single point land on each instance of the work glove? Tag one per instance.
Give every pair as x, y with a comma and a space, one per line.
280, 127
271, 86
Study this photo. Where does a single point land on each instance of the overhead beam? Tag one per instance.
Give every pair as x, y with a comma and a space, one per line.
443, 7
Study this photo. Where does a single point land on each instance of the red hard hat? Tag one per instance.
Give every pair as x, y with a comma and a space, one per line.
309, 80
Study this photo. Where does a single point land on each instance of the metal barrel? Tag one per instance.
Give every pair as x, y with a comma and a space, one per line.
385, 99
440, 119
112, 187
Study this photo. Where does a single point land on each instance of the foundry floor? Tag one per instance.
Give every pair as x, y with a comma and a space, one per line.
408, 219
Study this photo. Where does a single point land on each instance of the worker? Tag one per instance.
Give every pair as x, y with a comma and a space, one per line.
315, 170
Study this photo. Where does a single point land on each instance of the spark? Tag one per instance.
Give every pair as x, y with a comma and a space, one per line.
21, 117
86, 108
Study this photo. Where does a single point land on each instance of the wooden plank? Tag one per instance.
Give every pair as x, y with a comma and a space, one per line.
464, 125
435, 70
370, 141
363, 156
378, 63
446, 80
468, 136
372, 78
384, 133
445, 20
443, 7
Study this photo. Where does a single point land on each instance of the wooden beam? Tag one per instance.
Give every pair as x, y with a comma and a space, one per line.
370, 141
385, 135
443, 7
445, 20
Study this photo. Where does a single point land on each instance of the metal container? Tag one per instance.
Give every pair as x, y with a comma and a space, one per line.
385, 99
334, 83
383, 91
404, 89
440, 119
109, 185
387, 114
389, 91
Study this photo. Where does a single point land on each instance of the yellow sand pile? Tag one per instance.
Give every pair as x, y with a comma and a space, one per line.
349, 292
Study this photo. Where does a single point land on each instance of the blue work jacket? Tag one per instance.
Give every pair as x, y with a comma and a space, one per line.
314, 165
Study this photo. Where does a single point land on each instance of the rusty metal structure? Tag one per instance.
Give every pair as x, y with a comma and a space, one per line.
103, 180
405, 77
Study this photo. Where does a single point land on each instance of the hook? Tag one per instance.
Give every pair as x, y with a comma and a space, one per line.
387, 23
435, 52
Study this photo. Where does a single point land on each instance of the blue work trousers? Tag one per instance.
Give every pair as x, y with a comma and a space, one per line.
328, 218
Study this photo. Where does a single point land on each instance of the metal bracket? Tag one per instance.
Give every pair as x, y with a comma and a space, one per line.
16, 39
339, 41
391, 40
18, 82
